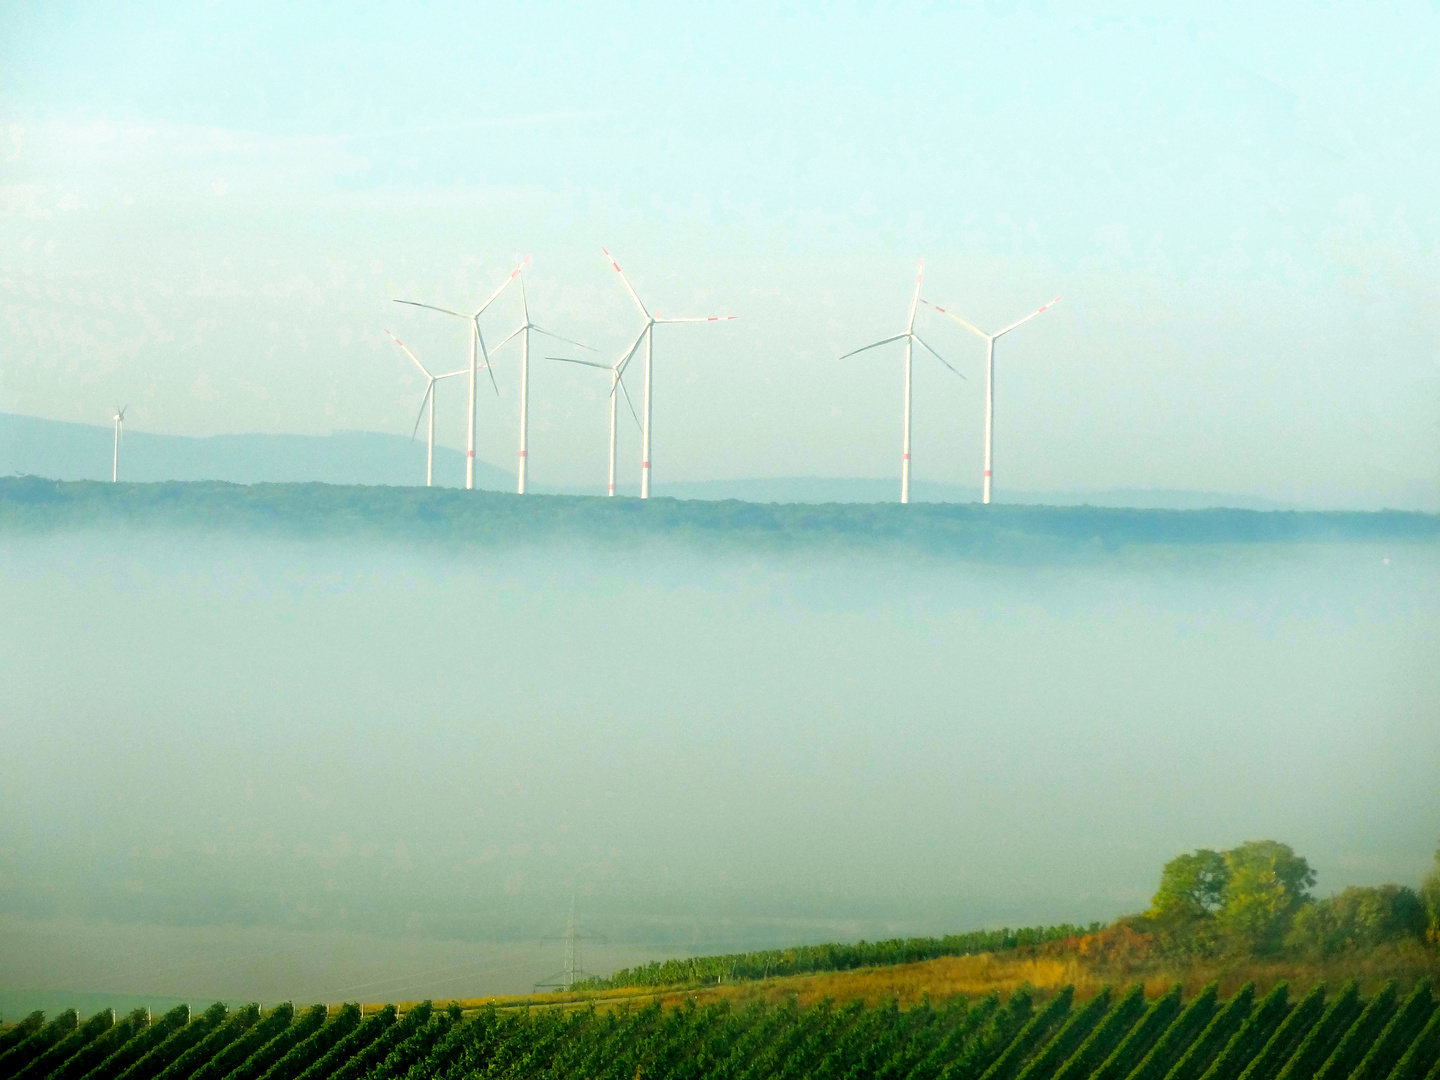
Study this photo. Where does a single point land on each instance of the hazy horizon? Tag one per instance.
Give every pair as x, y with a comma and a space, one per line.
214, 234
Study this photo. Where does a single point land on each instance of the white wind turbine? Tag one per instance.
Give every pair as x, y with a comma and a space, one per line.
523, 330
429, 397
910, 338
990, 340
476, 339
119, 422
647, 334
615, 381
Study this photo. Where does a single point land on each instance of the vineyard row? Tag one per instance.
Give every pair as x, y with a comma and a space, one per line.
1114, 1036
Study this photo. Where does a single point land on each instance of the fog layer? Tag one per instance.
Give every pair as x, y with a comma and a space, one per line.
706, 753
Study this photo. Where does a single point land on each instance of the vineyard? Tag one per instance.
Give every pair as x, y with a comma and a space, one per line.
1116, 1035
803, 959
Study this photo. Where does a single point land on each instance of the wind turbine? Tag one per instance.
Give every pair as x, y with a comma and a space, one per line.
615, 381
910, 338
648, 336
524, 331
119, 422
476, 338
990, 340
430, 397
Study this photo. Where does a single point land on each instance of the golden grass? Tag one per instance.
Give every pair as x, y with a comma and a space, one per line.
974, 976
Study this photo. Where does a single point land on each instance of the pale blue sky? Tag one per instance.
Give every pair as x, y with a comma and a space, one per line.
204, 211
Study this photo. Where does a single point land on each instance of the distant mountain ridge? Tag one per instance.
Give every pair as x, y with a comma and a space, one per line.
61, 450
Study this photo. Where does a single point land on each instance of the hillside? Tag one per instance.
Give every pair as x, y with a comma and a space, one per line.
1058, 1033
67, 451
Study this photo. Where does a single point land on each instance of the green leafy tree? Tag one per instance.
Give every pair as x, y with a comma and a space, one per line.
1430, 894
1358, 918
1267, 884
1191, 886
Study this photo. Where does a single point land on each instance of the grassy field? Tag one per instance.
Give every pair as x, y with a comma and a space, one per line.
974, 976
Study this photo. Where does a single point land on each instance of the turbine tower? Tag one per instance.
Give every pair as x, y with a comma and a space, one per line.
476, 339
648, 335
910, 338
119, 423
524, 331
429, 397
615, 381
990, 340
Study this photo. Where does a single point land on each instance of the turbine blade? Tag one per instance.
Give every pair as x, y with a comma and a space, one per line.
508, 336
586, 363
628, 287
557, 337
937, 356
619, 366
705, 318
524, 299
1027, 318
513, 275
409, 353
488, 369
951, 315
621, 383
432, 307
624, 361
420, 415
876, 345
915, 300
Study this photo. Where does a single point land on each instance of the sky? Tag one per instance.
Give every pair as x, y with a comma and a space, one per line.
206, 211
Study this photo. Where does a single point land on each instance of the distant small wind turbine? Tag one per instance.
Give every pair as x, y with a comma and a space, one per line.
119, 423
429, 397
476, 338
910, 338
990, 340
523, 330
615, 381
647, 334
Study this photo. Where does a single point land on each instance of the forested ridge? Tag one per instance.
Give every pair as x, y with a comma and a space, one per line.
32, 504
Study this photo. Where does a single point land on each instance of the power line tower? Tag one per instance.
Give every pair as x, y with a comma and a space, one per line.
573, 971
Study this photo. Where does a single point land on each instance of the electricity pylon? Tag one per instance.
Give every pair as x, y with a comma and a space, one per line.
572, 937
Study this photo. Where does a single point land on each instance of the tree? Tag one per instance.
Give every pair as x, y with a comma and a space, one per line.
1430, 894
1267, 885
1359, 918
1191, 886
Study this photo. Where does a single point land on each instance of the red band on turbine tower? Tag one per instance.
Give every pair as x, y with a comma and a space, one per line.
905, 457
644, 464
522, 453
987, 472
469, 453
